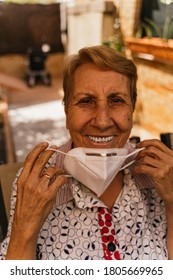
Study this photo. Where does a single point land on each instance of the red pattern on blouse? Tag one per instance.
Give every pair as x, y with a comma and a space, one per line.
108, 235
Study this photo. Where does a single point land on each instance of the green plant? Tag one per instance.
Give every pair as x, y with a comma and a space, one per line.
147, 26
116, 40
168, 25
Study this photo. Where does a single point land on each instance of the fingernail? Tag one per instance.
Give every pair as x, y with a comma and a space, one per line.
47, 143
42, 144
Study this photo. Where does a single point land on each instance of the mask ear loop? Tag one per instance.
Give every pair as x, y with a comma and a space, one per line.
136, 151
58, 151
131, 154
128, 164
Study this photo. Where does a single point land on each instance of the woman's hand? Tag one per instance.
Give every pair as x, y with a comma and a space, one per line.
156, 160
36, 193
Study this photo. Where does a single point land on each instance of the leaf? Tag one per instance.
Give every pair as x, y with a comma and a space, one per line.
154, 25
147, 29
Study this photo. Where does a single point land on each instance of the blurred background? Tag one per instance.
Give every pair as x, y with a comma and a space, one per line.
36, 37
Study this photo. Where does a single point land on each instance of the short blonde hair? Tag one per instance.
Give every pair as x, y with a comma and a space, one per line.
105, 58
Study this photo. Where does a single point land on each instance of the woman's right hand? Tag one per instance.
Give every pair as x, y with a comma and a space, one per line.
36, 194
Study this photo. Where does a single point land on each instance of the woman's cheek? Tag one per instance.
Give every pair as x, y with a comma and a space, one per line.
127, 121
77, 118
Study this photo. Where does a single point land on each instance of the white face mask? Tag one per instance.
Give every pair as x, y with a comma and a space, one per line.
96, 168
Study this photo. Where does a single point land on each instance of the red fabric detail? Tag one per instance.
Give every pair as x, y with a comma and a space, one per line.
110, 238
104, 230
101, 210
108, 234
117, 255
104, 238
108, 217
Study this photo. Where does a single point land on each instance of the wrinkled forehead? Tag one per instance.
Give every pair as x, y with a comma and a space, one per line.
88, 77
88, 73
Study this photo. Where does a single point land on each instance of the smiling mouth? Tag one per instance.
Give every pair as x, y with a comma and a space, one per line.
101, 139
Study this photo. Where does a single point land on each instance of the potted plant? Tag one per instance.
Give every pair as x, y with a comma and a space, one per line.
160, 47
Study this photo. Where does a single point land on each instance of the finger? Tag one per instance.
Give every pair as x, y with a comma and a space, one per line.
145, 169
164, 154
153, 143
49, 176
150, 161
41, 161
56, 185
31, 159
39, 165
28, 165
51, 190
150, 151
157, 169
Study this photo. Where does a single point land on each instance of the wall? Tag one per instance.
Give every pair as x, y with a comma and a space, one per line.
129, 12
89, 23
154, 110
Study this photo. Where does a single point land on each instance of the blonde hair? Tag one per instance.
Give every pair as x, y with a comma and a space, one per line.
105, 58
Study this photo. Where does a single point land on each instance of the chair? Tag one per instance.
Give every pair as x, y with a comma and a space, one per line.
7, 175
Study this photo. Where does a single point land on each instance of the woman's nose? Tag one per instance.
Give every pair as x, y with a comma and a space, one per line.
102, 117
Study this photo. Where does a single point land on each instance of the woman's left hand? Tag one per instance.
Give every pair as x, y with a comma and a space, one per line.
156, 160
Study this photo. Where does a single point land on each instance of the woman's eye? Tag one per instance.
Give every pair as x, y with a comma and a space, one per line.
85, 101
116, 100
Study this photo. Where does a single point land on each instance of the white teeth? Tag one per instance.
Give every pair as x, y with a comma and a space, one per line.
101, 139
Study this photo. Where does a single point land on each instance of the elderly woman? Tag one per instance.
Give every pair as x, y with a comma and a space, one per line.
102, 211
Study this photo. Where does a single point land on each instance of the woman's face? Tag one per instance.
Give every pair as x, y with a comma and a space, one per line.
99, 113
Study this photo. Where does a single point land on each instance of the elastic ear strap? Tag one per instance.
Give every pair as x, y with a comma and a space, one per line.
59, 151
126, 165
136, 151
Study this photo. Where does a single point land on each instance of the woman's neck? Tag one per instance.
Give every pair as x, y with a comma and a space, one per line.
112, 192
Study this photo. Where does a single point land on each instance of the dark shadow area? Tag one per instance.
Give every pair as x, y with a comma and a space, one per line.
156, 11
30, 26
